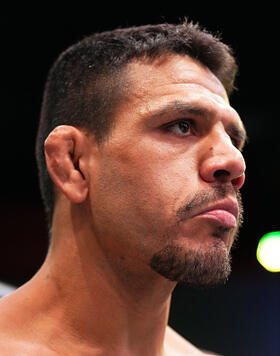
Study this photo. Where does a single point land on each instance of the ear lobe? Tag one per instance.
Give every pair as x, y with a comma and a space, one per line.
64, 148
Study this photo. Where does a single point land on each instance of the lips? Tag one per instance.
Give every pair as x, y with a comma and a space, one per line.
224, 213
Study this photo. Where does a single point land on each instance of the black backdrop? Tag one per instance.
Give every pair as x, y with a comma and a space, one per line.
240, 318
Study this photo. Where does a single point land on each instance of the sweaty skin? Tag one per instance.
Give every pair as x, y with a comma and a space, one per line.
121, 203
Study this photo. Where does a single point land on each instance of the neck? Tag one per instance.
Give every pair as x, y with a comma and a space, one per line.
111, 307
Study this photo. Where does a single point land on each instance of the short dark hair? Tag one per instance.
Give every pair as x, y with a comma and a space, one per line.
84, 84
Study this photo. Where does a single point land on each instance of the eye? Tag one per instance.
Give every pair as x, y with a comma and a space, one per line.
236, 143
180, 127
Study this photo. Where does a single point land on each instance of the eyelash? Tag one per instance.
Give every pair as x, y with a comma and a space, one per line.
234, 142
167, 127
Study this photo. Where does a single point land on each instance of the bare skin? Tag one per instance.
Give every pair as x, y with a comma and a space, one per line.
96, 293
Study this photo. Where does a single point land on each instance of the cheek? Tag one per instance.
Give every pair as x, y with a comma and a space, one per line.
135, 198
170, 178
147, 184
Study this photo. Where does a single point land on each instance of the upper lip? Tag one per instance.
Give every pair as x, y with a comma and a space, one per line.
228, 205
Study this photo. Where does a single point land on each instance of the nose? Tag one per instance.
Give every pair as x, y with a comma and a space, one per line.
223, 163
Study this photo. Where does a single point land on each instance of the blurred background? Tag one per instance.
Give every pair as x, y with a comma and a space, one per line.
240, 318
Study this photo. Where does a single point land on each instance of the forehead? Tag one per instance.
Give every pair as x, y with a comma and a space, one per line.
153, 85
146, 77
170, 78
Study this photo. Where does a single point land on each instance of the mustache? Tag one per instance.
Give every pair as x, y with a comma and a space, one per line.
208, 197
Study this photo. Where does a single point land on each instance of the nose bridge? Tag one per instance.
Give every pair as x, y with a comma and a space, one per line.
221, 142
224, 148
222, 160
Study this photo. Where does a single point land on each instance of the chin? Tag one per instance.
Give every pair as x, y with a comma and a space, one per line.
201, 266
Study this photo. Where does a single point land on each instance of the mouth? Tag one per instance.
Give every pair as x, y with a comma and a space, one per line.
224, 213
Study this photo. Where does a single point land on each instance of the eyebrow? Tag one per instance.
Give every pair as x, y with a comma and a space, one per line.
183, 108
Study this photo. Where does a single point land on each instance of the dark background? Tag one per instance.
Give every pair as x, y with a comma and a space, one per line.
238, 319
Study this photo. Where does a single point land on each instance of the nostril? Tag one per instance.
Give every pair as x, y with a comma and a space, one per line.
222, 175
239, 181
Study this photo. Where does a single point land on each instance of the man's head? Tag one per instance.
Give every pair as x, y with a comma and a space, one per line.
166, 146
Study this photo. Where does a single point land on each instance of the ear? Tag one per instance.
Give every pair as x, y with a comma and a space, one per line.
65, 148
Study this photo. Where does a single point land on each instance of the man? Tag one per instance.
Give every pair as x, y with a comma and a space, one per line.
140, 165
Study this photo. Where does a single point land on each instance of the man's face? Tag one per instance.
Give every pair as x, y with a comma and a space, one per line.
164, 193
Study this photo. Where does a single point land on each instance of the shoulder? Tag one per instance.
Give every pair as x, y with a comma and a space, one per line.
10, 346
13, 330
175, 344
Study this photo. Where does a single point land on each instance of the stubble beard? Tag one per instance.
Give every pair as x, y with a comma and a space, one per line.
200, 267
